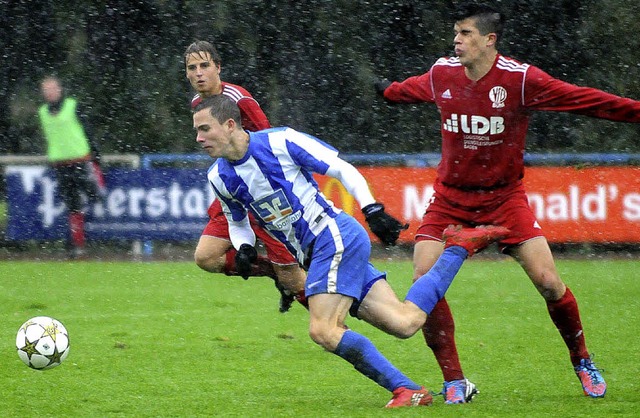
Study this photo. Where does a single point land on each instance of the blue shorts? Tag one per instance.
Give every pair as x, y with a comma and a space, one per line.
340, 261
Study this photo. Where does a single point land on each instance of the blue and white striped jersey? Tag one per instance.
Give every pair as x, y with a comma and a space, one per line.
274, 180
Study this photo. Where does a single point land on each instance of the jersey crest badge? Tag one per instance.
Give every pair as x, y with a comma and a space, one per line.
276, 211
498, 95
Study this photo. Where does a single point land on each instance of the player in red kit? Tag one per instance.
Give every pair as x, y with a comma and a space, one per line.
485, 100
214, 252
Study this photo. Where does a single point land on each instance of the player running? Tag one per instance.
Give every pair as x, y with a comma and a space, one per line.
485, 100
214, 252
269, 174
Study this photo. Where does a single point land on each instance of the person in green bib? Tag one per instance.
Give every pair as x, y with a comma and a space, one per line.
72, 155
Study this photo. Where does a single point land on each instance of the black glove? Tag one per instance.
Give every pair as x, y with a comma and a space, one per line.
383, 225
381, 86
245, 256
286, 298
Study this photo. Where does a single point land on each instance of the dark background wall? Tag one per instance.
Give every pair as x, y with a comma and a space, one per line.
309, 63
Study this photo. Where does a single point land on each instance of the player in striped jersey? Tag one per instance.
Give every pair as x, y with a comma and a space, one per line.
485, 100
269, 174
214, 252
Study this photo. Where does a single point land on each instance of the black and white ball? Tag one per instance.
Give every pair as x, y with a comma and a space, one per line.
42, 343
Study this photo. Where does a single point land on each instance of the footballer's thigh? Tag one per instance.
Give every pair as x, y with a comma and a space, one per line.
210, 253
382, 309
534, 255
425, 254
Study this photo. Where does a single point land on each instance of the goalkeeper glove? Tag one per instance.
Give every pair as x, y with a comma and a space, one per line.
383, 225
245, 257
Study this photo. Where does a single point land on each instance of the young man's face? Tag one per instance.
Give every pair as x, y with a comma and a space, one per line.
203, 74
470, 46
215, 138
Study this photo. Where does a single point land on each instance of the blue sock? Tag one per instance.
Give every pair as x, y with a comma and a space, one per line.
366, 359
432, 286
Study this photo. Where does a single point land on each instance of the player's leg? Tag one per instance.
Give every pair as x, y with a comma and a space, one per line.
70, 187
289, 276
380, 305
290, 279
214, 252
327, 314
529, 247
439, 330
536, 259
337, 275
210, 253
382, 309
94, 181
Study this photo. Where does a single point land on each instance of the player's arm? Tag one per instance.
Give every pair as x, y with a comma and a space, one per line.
241, 234
416, 89
317, 156
384, 226
543, 92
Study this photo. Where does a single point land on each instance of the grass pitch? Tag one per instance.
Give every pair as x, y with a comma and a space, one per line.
164, 339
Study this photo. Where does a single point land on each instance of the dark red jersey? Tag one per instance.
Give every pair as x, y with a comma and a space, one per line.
484, 122
253, 118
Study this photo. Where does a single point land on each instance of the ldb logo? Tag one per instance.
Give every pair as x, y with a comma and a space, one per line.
473, 124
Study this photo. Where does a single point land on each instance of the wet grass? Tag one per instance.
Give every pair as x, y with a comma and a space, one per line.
163, 339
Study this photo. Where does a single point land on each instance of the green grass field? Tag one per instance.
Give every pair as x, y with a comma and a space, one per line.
164, 339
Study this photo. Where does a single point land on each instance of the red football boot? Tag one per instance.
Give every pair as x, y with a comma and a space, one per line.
473, 239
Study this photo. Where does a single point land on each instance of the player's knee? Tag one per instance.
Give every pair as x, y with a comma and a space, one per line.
317, 334
413, 321
407, 330
322, 335
549, 284
207, 262
405, 333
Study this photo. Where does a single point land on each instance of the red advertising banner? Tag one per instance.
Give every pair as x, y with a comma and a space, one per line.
595, 204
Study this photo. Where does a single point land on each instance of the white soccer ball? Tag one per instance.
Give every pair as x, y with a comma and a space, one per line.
42, 343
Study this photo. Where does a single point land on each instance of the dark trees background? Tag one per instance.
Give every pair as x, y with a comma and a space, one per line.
309, 63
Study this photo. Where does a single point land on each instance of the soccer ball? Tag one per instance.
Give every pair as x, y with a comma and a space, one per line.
42, 343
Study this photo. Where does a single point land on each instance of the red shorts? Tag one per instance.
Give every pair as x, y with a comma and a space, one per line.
511, 210
219, 227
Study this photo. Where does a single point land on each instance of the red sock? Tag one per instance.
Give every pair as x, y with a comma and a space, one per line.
302, 299
230, 263
76, 226
566, 317
439, 333
261, 267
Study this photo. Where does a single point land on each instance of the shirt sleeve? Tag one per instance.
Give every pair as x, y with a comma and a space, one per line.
253, 118
317, 156
240, 230
352, 180
416, 89
543, 92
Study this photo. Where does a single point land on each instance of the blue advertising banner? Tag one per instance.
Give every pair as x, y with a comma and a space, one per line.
162, 204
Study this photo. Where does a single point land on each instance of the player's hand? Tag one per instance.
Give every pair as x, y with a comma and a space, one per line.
245, 257
383, 225
381, 86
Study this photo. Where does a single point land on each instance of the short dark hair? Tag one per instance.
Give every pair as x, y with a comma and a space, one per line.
488, 19
220, 107
201, 48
